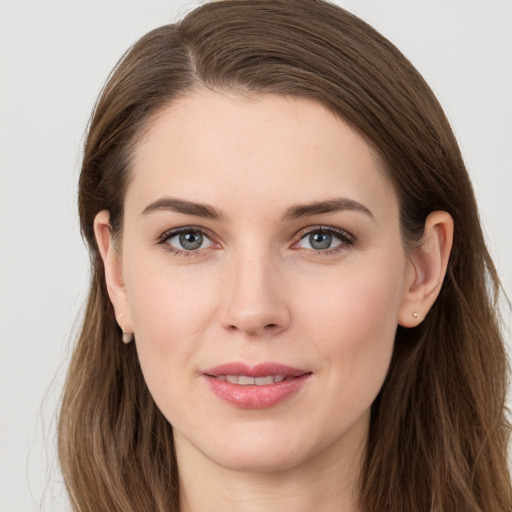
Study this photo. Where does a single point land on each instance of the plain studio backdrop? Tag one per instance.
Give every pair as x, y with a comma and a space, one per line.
54, 58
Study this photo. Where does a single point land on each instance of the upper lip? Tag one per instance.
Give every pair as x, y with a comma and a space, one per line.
258, 370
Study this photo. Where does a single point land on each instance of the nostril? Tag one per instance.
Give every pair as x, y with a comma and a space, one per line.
267, 327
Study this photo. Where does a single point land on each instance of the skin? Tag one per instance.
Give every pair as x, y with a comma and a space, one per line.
258, 291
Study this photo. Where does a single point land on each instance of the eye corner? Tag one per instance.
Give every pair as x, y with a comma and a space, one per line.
199, 240
327, 235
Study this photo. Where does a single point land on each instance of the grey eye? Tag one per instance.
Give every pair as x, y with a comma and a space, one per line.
189, 241
319, 241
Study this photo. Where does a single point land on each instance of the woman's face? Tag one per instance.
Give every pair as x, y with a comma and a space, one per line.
263, 274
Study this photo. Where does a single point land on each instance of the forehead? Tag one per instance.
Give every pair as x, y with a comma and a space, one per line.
219, 146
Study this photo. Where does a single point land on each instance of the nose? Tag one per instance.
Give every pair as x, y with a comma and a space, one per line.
256, 301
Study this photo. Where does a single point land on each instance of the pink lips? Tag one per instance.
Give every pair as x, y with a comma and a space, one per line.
255, 396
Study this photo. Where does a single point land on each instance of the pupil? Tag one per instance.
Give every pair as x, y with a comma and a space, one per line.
191, 240
320, 240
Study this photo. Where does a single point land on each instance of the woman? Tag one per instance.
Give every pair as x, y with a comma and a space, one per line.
285, 237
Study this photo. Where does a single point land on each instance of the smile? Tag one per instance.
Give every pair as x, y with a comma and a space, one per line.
255, 387
246, 380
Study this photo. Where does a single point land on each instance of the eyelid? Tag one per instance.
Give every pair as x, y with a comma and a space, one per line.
346, 238
170, 233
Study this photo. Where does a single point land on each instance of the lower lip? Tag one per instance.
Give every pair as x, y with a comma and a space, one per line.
256, 397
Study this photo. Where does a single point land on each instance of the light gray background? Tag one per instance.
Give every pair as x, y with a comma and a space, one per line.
54, 58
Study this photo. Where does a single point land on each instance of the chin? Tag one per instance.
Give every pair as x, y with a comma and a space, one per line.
256, 461
245, 446
260, 448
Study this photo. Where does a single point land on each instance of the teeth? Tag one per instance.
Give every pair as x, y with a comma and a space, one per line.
245, 380
261, 381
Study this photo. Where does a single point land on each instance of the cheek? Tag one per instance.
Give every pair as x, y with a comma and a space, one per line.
174, 310
363, 296
170, 316
168, 303
354, 321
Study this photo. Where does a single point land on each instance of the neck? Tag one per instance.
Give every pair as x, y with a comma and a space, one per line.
325, 483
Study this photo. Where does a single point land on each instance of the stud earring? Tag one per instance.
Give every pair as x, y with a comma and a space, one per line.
127, 337
416, 315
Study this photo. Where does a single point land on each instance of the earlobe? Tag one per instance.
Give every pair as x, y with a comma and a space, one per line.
113, 270
427, 269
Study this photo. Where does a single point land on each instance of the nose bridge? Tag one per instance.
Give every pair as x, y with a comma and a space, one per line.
255, 303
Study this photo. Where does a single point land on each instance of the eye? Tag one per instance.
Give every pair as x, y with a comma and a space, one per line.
187, 240
324, 239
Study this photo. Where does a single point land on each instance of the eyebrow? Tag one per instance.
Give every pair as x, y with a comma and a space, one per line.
294, 212
180, 206
330, 206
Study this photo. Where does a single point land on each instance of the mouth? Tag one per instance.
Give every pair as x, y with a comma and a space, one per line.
255, 387
246, 380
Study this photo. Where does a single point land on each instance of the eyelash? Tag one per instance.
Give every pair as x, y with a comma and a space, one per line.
165, 237
346, 240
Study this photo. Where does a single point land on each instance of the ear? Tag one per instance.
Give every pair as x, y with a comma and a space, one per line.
113, 270
427, 268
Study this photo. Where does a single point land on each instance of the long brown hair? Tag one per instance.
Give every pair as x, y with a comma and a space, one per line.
438, 433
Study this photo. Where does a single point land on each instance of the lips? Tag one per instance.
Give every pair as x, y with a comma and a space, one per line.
255, 387
245, 380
